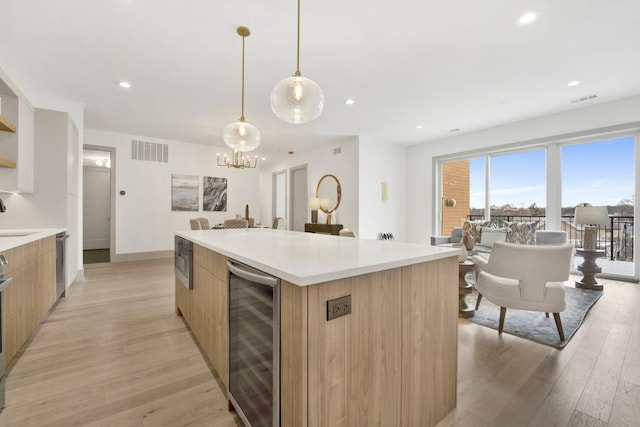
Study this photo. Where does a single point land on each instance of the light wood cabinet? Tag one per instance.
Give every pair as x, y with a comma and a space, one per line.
205, 306
391, 362
31, 294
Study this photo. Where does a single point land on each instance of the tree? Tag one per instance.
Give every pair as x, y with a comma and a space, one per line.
534, 210
629, 202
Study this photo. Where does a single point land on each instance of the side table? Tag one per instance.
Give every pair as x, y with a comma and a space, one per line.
464, 289
589, 269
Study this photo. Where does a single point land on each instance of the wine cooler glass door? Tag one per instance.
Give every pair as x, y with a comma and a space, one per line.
254, 345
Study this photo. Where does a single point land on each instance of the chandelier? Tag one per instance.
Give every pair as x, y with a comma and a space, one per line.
241, 135
237, 160
297, 99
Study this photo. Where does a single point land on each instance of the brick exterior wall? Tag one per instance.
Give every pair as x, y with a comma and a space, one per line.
455, 183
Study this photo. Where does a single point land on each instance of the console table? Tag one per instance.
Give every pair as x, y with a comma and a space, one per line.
323, 228
589, 269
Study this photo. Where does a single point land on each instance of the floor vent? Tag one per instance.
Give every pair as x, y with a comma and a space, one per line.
149, 151
583, 98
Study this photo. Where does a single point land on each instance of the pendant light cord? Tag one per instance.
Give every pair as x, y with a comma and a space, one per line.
242, 115
298, 47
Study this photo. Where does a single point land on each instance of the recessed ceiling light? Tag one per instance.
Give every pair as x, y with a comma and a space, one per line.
263, 158
124, 84
574, 83
528, 17
349, 101
454, 130
419, 127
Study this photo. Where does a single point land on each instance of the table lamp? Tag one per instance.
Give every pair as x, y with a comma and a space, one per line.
591, 217
314, 204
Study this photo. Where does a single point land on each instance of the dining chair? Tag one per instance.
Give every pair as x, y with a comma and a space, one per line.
235, 223
345, 232
204, 223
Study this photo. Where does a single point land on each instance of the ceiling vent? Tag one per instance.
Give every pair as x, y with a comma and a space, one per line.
583, 98
149, 151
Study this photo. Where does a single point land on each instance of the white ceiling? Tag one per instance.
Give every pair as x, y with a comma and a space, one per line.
443, 64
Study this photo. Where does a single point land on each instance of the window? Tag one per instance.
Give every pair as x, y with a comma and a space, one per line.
513, 186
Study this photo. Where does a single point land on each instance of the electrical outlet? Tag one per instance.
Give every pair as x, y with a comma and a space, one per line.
338, 307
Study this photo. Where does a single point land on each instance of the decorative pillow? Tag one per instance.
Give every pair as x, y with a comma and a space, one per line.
522, 233
491, 235
475, 228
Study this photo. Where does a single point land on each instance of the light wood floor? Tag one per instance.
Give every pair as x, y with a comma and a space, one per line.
113, 353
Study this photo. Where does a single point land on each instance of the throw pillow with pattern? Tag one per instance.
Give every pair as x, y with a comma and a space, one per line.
521, 233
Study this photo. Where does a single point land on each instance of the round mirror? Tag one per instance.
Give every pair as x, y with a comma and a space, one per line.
329, 192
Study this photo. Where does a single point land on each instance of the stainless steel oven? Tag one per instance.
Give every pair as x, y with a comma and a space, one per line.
4, 282
184, 261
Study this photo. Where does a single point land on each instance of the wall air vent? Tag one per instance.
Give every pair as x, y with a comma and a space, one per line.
149, 151
583, 98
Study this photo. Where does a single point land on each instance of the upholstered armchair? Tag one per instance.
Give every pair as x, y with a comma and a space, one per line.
525, 277
550, 237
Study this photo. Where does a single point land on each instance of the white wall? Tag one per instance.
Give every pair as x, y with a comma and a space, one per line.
144, 221
382, 162
320, 162
575, 123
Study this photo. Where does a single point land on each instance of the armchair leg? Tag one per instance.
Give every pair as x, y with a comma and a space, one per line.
556, 316
478, 300
503, 311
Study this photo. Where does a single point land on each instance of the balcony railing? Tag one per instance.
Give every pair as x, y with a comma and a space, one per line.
616, 238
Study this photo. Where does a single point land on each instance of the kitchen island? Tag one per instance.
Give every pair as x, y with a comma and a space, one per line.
391, 362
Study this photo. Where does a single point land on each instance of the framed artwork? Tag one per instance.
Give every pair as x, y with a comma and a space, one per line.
214, 194
185, 193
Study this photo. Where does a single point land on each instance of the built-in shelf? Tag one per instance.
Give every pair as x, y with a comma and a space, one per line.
6, 125
6, 163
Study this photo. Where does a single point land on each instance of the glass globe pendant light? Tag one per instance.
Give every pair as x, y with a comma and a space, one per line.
297, 99
242, 136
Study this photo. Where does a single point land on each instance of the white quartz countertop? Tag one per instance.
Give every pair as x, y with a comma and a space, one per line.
308, 258
12, 238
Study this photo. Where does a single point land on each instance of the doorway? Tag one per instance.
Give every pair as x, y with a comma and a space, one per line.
299, 198
97, 178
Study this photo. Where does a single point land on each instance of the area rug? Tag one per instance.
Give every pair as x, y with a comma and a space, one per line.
536, 326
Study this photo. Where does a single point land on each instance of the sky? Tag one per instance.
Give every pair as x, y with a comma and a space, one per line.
600, 173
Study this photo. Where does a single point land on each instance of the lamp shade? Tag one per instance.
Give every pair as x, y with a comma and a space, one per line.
314, 203
297, 99
592, 215
241, 136
324, 203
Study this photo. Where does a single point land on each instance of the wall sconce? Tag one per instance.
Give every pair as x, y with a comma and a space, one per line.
314, 204
448, 202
